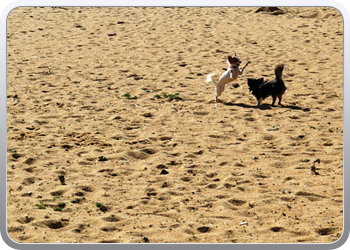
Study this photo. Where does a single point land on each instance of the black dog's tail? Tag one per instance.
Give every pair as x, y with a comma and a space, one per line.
278, 72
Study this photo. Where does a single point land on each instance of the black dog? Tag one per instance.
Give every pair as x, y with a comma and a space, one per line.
275, 88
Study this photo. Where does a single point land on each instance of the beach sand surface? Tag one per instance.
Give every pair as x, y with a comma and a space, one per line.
123, 133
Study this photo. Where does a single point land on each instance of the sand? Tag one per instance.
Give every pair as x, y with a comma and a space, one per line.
145, 154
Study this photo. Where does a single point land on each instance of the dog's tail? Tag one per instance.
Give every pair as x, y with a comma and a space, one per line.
278, 72
210, 78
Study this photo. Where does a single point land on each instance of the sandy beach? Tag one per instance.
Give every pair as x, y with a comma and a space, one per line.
116, 138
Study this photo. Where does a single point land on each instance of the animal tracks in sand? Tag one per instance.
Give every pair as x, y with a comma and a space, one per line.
181, 169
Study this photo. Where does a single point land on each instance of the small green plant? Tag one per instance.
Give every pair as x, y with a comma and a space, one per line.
312, 127
99, 204
157, 96
305, 160
102, 158
41, 205
129, 97
172, 96
58, 209
102, 207
255, 157
62, 204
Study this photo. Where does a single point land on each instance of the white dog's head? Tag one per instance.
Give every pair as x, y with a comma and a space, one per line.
233, 61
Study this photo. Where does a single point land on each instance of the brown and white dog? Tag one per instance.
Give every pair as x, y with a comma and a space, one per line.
230, 75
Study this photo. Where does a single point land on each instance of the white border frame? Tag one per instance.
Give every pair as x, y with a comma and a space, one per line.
10, 5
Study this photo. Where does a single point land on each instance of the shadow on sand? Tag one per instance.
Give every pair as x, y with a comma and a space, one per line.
266, 106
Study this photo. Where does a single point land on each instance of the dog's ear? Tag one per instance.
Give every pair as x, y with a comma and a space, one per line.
230, 59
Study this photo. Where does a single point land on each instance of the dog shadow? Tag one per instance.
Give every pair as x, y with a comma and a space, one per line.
262, 107
295, 107
266, 106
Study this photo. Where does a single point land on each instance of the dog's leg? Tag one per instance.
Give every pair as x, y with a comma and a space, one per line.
242, 69
259, 101
218, 92
245, 65
222, 89
273, 100
280, 99
216, 96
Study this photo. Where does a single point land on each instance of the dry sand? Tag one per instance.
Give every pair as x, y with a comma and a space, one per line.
186, 170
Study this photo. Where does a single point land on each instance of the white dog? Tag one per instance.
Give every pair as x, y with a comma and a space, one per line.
230, 75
